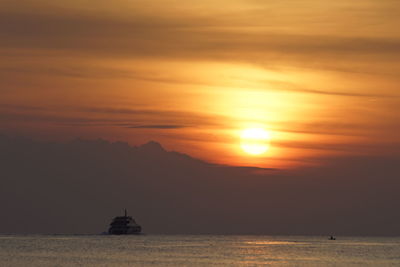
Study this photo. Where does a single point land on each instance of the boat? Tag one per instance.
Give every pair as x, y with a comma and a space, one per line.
124, 225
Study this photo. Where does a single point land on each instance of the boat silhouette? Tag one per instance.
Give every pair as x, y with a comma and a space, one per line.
124, 225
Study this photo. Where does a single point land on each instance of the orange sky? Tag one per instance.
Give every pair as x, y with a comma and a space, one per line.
321, 76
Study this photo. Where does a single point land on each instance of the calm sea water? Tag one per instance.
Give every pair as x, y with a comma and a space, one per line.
201, 250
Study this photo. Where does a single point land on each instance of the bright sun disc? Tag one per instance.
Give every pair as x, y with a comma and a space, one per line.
255, 141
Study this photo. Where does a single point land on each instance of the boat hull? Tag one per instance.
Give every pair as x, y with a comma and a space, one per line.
125, 231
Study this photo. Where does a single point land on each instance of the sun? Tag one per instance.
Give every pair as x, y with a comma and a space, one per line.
255, 141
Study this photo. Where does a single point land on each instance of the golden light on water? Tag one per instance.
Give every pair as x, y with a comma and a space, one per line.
255, 141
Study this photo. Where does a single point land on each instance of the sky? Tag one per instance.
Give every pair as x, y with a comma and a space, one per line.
320, 77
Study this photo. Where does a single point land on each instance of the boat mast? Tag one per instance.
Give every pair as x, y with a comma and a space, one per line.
126, 214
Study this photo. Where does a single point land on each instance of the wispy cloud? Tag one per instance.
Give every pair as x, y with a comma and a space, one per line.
98, 72
290, 87
109, 116
163, 36
165, 126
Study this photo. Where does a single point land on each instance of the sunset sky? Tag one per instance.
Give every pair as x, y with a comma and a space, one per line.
319, 78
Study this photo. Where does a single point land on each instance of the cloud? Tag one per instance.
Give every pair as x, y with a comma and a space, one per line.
109, 116
165, 126
290, 87
184, 37
188, 118
99, 72
326, 146
20, 107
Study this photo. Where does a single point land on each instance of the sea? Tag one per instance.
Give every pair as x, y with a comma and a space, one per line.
197, 250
